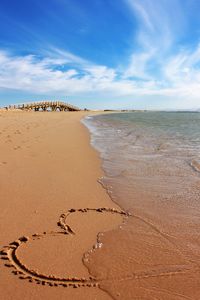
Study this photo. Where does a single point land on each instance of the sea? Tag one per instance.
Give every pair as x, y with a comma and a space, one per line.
151, 164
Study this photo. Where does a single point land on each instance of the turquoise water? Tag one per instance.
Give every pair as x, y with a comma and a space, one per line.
148, 154
156, 130
146, 135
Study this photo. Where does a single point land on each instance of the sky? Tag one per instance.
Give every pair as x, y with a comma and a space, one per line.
101, 54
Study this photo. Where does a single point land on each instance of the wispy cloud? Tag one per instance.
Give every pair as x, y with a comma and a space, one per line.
159, 21
48, 75
158, 28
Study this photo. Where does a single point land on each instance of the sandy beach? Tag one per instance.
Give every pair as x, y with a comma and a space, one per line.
61, 235
49, 206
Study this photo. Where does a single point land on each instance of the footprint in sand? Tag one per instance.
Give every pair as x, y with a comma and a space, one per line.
17, 147
42, 244
17, 132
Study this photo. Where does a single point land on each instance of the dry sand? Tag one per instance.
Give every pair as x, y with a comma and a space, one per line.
48, 167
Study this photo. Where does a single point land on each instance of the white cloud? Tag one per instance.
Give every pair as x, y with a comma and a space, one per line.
142, 12
138, 65
67, 56
159, 23
180, 77
184, 67
49, 75
155, 19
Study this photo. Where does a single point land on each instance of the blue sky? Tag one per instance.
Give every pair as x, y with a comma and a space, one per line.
142, 54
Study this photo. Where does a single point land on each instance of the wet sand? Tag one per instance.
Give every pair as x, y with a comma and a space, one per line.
50, 201
155, 176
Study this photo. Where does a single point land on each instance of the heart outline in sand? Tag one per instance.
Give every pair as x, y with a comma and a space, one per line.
9, 253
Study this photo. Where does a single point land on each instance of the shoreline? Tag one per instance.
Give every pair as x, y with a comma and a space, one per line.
43, 175
155, 253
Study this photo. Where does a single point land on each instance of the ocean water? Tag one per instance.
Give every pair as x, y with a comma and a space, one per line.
151, 162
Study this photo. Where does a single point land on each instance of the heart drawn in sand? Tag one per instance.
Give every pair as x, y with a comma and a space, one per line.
11, 254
